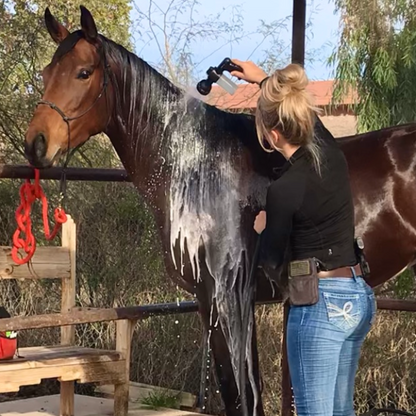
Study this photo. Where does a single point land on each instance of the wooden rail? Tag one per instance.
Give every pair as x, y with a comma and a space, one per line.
72, 174
48, 262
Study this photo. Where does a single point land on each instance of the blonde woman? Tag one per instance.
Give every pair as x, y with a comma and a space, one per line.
309, 212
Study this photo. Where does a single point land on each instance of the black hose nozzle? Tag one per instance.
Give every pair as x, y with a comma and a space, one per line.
214, 73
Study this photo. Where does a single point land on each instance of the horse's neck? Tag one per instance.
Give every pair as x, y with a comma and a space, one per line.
144, 104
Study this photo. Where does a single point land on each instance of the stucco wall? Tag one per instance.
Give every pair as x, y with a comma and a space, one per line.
340, 122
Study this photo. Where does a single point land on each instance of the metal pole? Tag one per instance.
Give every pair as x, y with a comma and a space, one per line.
72, 174
205, 368
298, 57
298, 32
287, 396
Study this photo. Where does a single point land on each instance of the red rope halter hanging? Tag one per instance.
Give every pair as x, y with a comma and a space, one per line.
29, 193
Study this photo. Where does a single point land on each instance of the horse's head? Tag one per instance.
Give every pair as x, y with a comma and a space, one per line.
74, 106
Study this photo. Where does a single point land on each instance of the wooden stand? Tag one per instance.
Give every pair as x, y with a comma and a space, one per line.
65, 362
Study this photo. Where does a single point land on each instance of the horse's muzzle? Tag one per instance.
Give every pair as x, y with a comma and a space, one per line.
35, 151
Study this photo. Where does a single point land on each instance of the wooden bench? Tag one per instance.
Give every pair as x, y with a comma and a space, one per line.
65, 362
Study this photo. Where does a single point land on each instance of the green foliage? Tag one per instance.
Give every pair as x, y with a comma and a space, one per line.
376, 56
404, 285
161, 399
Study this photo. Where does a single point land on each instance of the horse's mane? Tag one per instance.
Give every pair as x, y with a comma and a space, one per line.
140, 91
146, 86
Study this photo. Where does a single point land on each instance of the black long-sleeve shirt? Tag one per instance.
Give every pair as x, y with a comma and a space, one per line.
309, 215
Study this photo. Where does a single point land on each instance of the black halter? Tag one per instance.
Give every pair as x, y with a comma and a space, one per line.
67, 119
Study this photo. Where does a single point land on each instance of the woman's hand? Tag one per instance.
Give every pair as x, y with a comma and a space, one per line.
251, 72
260, 222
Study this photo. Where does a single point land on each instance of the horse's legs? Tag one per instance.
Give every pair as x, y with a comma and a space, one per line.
256, 374
222, 360
224, 371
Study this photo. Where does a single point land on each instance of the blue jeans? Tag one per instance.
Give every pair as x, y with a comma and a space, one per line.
324, 344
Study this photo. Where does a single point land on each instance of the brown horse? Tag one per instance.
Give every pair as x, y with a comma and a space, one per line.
204, 175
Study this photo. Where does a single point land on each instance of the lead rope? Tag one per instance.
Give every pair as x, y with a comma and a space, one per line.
29, 193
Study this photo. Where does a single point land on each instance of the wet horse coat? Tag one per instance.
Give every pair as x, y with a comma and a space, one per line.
205, 176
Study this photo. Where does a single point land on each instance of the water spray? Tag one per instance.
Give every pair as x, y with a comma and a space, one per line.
215, 75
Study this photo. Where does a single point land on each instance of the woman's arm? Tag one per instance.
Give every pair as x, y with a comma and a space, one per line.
251, 72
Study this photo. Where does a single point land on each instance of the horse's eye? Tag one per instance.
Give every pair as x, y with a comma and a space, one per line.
84, 74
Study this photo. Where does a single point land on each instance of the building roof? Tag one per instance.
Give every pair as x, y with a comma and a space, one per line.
247, 94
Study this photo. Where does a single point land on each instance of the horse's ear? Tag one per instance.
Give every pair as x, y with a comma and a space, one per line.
57, 31
88, 24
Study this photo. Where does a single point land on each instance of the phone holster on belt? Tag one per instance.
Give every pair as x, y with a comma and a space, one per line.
303, 282
359, 252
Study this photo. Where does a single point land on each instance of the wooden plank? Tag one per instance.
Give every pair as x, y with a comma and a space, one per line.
69, 240
89, 315
67, 398
49, 406
139, 391
47, 263
124, 332
84, 406
53, 356
100, 372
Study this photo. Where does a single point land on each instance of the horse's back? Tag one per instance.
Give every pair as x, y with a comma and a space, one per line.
382, 166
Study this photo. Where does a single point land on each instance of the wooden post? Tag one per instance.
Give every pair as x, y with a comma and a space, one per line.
124, 329
298, 32
287, 397
69, 239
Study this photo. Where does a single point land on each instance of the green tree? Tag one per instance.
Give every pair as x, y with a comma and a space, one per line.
376, 56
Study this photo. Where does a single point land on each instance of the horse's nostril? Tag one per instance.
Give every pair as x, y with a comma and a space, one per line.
39, 145
36, 149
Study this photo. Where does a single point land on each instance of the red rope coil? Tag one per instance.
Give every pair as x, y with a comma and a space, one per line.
29, 193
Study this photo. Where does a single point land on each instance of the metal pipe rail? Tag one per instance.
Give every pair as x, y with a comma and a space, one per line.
91, 315
72, 174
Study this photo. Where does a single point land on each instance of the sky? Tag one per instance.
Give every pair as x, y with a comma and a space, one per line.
322, 35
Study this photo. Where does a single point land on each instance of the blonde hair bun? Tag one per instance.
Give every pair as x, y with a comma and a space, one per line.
293, 76
285, 105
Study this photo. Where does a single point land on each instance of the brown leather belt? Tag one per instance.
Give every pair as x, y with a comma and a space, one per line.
341, 272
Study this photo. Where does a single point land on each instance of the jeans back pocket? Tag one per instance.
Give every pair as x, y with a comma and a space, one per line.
343, 310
